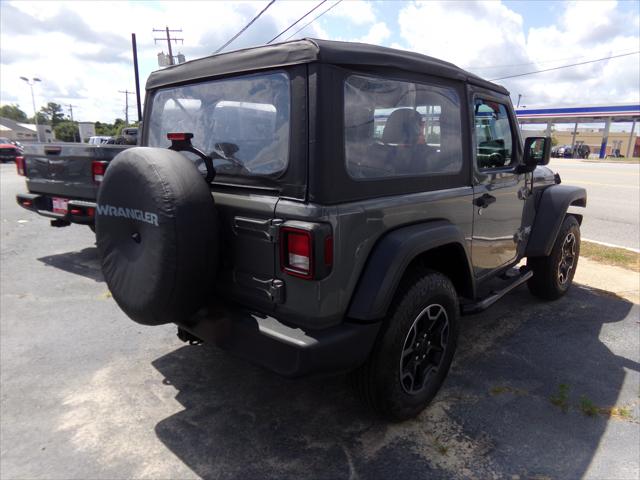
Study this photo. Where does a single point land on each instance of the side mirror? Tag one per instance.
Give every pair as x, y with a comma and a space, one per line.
537, 151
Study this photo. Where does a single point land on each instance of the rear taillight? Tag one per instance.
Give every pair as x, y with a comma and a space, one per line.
20, 167
296, 252
98, 167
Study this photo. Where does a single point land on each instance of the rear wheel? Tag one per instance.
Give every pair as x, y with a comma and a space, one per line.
553, 274
413, 354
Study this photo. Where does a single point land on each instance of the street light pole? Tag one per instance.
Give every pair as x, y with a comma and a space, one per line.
31, 83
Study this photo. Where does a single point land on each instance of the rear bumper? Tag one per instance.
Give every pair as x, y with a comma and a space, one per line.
41, 204
288, 351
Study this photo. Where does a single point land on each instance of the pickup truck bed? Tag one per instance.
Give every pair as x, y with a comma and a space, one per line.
60, 180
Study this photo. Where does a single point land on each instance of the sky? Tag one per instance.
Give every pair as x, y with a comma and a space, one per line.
82, 50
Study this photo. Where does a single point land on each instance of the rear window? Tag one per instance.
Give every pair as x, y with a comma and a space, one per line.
241, 122
395, 128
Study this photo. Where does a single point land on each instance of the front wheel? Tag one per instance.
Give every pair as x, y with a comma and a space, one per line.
553, 274
414, 351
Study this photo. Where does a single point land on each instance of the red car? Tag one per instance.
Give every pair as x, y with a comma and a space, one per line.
8, 151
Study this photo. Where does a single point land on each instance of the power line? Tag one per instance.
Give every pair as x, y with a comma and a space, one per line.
527, 63
307, 24
564, 66
245, 27
291, 26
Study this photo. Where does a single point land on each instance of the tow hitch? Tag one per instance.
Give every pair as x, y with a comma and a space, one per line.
187, 337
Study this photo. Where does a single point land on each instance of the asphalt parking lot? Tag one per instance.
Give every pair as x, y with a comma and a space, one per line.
537, 390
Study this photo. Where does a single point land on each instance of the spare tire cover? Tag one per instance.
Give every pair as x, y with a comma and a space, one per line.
156, 231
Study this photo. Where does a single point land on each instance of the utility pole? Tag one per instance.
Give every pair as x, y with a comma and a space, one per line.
126, 105
31, 82
134, 46
71, 116
168, 39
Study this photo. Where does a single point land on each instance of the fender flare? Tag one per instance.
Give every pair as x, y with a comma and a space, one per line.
550, 212
389, 260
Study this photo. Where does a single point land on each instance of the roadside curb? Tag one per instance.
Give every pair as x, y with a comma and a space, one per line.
611, 245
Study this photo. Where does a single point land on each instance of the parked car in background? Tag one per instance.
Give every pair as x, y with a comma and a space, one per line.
130, 135
582, 151
9, 151
99, 139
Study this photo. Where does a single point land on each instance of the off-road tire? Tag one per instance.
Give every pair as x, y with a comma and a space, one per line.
547, 282
379, 379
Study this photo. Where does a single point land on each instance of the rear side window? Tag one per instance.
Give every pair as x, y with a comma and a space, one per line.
494, 143
395, 128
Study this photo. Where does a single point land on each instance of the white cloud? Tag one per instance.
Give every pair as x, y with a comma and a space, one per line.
465, 33
358, 12
479, 35
377, 34
82, 50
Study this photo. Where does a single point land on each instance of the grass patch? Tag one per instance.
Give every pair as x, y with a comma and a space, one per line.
622, 413
591, 410
618, 257
502, 389
588, 407
561, 399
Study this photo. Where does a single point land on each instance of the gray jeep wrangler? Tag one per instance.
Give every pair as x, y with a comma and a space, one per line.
318, 206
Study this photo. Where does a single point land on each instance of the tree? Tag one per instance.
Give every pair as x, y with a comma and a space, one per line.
111, 129
13, 112
66, 131
53, 113
118, 125
42, 119
105, 129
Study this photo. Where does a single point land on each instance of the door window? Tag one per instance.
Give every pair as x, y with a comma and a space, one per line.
494, 142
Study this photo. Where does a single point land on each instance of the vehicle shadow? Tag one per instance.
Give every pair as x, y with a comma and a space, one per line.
85, 263
493, 418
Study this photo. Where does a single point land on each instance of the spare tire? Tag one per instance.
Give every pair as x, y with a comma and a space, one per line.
156, 231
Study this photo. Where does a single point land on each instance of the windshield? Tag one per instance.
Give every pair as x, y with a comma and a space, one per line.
241, 122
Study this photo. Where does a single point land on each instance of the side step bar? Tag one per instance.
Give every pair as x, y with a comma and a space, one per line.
479, 306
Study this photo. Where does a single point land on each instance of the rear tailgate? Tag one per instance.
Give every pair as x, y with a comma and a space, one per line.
65, 169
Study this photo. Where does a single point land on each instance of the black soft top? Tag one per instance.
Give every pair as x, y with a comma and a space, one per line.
308, 51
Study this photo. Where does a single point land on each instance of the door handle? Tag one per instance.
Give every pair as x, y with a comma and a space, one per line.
484, 201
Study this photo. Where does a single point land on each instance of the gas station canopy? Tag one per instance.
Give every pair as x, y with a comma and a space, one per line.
606, 114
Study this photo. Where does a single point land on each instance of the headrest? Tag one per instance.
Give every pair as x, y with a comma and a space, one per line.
402, 127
